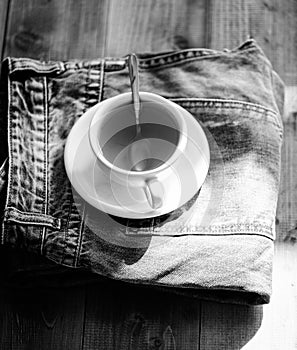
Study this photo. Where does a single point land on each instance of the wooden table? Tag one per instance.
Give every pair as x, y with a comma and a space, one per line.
104, 316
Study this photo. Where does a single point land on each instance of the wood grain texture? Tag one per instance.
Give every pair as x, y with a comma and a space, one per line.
277, 23
271, 23
5, 321
120, 316
279, 324
228, 327
56, 30
287, 202
280, 316
148, 26
228, 23
4, 5
37, 319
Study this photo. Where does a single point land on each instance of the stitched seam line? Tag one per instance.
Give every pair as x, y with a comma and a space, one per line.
150, 62
79, 243
196, 102
9, 150
211, 102
34, 68
204, 51
243, 228
101, 81
66, 231
182, 55
45, 178
180, 60
81, 228
173, 234
176, 62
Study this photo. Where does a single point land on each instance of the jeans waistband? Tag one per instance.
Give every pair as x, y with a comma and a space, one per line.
146, 60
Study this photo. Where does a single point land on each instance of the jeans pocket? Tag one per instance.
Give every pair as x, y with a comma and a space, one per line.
240, 191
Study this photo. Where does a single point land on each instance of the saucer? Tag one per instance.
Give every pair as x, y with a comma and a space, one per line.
89, 180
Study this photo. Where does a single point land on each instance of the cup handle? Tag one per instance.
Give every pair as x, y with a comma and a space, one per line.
154, 193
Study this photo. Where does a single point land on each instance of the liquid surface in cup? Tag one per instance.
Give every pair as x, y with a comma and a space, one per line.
160, 143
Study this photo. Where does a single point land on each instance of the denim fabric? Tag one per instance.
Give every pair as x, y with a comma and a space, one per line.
223, 250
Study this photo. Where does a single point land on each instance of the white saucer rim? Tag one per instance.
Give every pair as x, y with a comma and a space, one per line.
114, 209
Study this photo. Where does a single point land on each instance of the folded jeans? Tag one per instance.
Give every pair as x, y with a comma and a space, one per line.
218, 246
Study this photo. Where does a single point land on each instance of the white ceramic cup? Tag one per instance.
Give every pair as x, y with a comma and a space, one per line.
116, 115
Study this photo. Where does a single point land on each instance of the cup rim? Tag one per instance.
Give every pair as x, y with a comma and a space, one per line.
119, 101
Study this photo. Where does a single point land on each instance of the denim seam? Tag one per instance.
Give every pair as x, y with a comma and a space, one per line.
173, 234
175, 63
232, 228
66, 231
79, 243
91, 85
37, 70
172, 57
214, 102
166, 59
179, 61
101, 86
71, 248
68, 249
206, 51
45, 170
4, 227
227, 104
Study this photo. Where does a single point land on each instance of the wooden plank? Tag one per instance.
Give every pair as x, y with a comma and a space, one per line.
150, 26
57, 30
287, 202
42, 319
227, 23
121, 316
271, 23
124, 316
279, 36
279, 324
5, 322
228, 327
4, 5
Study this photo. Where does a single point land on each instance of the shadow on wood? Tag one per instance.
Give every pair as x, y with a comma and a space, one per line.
120, 316
229, 327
